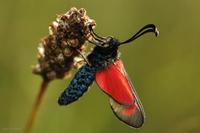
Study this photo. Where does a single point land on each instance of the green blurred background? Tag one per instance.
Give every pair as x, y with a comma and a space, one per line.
164, 70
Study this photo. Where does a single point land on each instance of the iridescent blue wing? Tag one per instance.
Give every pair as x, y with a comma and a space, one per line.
78, 86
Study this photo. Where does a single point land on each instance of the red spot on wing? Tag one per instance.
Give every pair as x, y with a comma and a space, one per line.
114, 82
131, 115
129, 110
124, 102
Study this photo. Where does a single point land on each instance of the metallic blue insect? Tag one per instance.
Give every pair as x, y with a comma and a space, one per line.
104, 66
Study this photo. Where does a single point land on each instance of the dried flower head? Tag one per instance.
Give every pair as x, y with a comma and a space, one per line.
59, 51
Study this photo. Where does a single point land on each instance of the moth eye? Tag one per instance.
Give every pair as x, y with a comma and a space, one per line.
114, 42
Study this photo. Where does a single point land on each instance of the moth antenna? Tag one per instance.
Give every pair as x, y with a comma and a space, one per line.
95, 36
146, 29
99, 44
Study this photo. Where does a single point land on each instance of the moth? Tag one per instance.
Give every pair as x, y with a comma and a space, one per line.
106, 68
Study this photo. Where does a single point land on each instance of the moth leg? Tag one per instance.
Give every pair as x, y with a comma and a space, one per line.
84, 57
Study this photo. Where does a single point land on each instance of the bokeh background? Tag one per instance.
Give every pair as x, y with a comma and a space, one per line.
164, 70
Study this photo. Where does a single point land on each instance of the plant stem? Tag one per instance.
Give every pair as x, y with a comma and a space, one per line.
35, 107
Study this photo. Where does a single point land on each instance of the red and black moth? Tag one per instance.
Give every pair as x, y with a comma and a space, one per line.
105, 67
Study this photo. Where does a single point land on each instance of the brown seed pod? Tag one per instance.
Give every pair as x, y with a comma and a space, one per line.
57, 51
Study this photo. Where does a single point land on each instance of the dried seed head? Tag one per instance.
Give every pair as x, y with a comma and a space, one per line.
57, 51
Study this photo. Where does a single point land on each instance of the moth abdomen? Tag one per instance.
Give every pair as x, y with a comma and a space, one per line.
78, 86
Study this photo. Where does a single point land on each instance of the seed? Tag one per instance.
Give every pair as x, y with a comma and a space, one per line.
68, 52
73, 42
